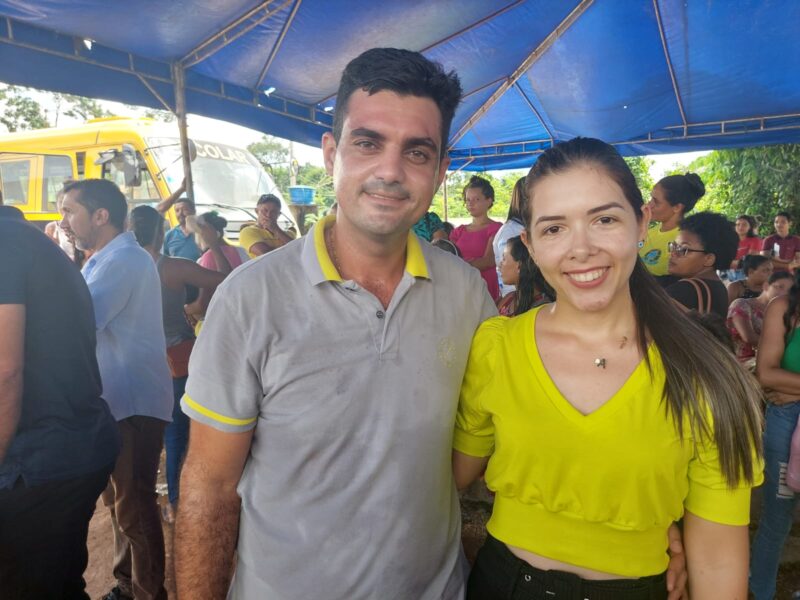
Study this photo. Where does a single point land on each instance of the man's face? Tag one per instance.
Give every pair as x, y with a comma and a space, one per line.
183, 210
782, 226
78, 223
386, 165
267, 214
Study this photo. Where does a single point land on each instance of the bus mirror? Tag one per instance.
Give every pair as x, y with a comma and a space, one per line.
192, 151
130, 166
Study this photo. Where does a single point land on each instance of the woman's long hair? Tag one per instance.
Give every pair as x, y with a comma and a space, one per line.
701, 374
791, 314
530, 277
519, 202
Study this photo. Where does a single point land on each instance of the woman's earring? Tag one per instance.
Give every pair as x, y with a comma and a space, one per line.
640, 245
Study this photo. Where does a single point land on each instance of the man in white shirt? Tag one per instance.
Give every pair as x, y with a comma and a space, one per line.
131, 353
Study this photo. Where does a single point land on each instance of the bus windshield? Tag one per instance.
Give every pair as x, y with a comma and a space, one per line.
222, 175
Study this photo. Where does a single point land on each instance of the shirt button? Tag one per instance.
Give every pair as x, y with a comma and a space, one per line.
380, 314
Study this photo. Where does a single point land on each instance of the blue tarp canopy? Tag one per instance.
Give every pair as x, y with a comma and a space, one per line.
650, 76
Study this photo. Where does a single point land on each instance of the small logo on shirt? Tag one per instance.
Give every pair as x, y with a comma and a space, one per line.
651, 256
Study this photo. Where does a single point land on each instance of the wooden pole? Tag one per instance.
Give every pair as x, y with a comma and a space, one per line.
180, 112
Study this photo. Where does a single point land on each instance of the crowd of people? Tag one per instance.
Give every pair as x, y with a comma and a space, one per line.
584, 357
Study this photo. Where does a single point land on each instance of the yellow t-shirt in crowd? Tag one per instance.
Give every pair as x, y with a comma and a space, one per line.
598, 490
654, 253
252, 234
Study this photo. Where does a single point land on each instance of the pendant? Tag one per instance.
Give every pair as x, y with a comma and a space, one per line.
600, 362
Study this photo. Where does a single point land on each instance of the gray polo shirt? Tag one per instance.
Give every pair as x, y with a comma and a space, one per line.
347, 492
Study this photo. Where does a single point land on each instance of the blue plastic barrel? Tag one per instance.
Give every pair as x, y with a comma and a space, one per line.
301, 194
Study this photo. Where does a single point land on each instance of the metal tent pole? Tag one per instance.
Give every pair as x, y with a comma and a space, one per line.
180, 112
444, 196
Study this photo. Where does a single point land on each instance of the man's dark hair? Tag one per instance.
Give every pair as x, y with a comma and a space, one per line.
716, 234
785, 215
404, 72
269, 199
185, 200
94, 194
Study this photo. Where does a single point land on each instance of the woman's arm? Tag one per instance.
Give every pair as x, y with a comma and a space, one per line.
467, 469
734, 291
745, 329
487, 260
717, 559
770, 351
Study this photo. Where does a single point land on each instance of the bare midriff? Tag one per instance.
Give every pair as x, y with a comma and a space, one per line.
548, 564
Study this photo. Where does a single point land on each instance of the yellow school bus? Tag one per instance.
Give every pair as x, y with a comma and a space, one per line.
143, 157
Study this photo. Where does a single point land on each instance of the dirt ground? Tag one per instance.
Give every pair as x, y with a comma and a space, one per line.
476, 508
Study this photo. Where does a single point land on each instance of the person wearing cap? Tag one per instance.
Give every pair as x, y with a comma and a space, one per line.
266, 234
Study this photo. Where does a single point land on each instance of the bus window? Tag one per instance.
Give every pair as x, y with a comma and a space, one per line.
57, 169
146, 192
15, 176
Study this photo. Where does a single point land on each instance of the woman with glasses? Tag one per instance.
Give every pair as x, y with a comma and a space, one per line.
474, 241
706, 242
604, 416
672, 197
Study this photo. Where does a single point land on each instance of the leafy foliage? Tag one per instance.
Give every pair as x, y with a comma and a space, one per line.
754, 181
20, 111
273, 154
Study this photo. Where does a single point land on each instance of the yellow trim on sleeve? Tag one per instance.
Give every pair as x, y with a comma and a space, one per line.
207, 412
415, 260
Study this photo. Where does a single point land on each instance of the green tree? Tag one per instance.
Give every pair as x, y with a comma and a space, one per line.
754, 181
640, 167
20, 111
80, 107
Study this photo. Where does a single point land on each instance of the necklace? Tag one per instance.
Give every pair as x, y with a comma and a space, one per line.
600, 361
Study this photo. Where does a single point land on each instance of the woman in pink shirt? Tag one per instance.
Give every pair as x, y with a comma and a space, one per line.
475, 240
234, 254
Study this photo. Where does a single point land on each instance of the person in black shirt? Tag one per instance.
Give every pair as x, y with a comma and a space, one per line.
58, 440
706, 243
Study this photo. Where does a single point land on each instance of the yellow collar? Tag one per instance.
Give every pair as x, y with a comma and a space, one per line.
415, 260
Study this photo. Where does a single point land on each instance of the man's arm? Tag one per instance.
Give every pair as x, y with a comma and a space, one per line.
12, 362
207, 525
163, 206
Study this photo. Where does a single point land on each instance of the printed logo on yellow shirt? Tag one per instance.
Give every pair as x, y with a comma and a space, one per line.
651, 257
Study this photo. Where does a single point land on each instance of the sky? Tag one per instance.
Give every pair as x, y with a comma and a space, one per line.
214, 130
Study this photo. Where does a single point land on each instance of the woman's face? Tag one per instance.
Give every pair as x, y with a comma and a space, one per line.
781, 226
758, 277
695, 261
509, 268
780, 287
477, 204
742, 227
660, 209
584, 236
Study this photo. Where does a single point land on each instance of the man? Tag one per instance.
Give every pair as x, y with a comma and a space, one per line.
781, 246
131, 352
266, 235
179, 241
58, 440
323, 407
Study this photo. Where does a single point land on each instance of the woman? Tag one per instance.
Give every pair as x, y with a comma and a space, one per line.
672, 197
705, 242
234, 254
605, 416
749, 244
781, 246
511, 228
745, 315
756, 270
778, 369
474, 241
175, 274
518, 271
